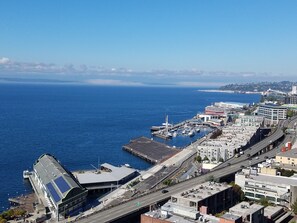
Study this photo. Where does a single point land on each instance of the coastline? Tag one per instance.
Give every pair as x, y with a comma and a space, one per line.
230, 91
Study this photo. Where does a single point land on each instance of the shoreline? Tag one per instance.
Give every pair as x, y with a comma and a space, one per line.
231, 91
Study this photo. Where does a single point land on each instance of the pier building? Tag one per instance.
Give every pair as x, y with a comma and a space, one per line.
107, 177
150, 150
61, 190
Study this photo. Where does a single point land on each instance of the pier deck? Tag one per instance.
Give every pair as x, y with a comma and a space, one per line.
149, 150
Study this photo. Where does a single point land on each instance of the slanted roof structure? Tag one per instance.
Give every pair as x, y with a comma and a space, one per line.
56, 180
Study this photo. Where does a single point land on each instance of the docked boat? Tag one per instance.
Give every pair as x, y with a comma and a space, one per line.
157, 128
174, 134
191, 133
26, 174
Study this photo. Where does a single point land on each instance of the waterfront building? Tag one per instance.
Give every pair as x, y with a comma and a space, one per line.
61, 190
106, 178
214, 110
231, 105
272, 113
277, 189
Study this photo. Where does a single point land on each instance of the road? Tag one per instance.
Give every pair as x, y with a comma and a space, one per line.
119, 211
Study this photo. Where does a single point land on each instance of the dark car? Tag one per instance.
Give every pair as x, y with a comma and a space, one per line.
248, 155
242, 166
164, 191
265, 157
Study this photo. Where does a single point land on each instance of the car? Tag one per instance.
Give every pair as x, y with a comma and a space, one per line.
229, 164
257, 157
242, 166
265, 157
248, 155
164, 191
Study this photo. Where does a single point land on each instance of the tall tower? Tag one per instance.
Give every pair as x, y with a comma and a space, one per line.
294, 89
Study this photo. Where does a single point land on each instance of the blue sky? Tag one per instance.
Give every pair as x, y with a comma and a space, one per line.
149, 42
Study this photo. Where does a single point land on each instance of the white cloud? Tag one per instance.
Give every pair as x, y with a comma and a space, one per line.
118, 76
4, 60
110, 82
199, 84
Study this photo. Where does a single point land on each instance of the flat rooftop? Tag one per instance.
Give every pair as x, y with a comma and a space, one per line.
150, 150
272, 211
108, 173
202, 191
290, 153
281, 180
229, 216
244, 208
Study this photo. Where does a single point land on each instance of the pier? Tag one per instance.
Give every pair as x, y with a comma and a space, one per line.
149, 150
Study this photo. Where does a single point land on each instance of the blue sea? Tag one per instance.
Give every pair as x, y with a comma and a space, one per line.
83, 124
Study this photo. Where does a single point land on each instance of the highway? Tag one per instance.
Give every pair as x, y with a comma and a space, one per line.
119, 211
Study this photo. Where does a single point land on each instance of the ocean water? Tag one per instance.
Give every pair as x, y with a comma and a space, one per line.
83, 124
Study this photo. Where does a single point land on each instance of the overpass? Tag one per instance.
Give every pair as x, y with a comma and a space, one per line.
113, 213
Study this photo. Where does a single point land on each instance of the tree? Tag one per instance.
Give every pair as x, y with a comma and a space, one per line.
198, 159
237, 191
264, 201
290, 113
168, 182
211, 178
294, 207
213, 159
221, 160
205, 158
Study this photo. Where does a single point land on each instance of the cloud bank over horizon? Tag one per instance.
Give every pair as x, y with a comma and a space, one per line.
100, 75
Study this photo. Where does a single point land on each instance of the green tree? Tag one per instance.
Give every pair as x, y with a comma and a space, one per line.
221, 160
198, 159
168, 182
290, 113
205, 158
237, 191
264, 201
211, 178
294, 207
213, 159
2, 220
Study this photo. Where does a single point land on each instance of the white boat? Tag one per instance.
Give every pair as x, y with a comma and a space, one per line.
26, 174
157, 128
174, 134
197, 130
169, 134
191, 133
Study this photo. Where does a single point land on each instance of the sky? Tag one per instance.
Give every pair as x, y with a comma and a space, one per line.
149, 42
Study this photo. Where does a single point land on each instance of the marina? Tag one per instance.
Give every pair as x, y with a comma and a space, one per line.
185, 128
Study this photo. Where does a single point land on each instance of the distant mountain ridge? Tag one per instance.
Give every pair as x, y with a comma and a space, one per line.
285, 86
